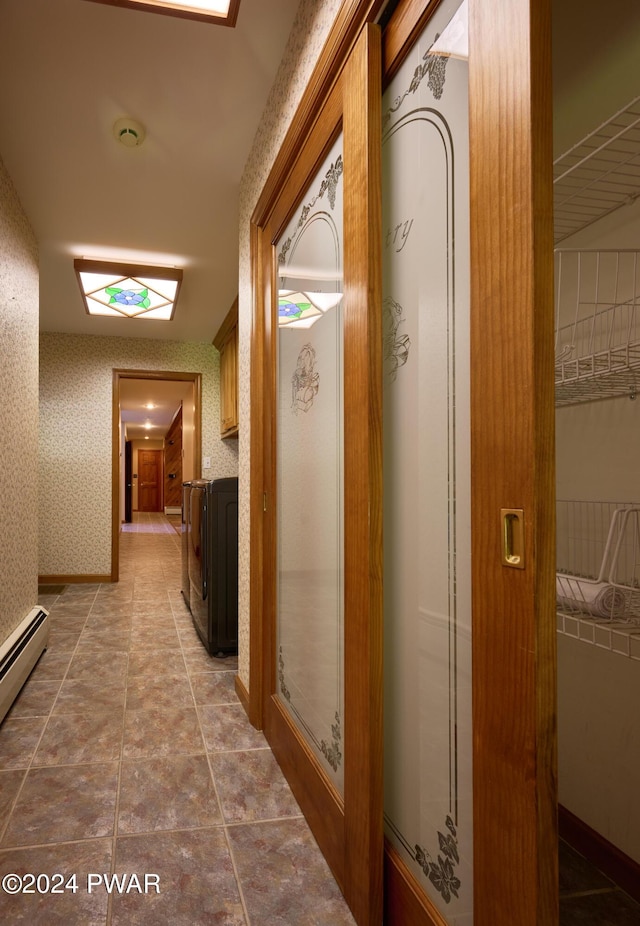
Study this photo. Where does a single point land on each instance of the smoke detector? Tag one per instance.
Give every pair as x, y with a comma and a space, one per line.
129, 132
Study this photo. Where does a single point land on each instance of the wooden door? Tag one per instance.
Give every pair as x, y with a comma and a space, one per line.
510, 846
471, 677
149, 480
319, 253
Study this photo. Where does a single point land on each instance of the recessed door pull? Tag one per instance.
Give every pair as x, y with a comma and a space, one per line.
512, 528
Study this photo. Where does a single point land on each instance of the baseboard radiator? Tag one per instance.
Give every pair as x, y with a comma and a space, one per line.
19, 654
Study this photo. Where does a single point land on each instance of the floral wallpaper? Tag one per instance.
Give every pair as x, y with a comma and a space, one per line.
75, 438
308, 35
19, 390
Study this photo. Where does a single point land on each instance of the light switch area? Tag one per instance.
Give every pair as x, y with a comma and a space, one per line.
207, 463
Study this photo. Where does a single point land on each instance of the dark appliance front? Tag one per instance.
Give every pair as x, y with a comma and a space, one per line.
185, 540
213, 562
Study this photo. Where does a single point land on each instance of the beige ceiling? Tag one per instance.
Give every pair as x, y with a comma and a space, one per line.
68, 70
166, 396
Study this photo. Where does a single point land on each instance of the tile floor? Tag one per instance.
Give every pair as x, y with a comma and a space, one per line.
128, 753
589, 898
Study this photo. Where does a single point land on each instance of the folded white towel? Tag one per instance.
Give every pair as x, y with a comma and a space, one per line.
598, 598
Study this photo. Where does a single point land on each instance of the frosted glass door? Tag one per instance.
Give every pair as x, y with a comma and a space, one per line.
427, 574
309, 636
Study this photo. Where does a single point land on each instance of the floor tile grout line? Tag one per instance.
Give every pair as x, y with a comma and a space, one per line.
174, 601
215, 788
29, 846
201, 828
236, 873
5, 826
30, 764
227, 840
116, 810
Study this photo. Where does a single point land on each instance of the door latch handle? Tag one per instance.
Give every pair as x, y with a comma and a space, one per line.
512, 529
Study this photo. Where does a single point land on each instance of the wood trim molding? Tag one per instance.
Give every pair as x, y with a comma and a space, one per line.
611, 861
115, 477
405, 902
230, 321
362, 359
242, 692
405, 25
74, 579
257, 500
352, 16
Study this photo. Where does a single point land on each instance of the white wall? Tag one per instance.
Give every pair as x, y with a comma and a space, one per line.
598, 451
19, 391
599, 740
598, 459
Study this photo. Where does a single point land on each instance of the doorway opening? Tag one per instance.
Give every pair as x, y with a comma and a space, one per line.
158, 405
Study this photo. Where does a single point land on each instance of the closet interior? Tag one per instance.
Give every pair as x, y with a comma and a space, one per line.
597, 383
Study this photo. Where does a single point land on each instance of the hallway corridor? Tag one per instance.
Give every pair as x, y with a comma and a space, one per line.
128, 752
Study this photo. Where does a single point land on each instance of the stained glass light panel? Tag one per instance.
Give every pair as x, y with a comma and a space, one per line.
128, 292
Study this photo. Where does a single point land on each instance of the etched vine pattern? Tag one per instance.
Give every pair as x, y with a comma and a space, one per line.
283, 688
435, 66
329, 186
441, 873
305, 381
332, 753
395, 347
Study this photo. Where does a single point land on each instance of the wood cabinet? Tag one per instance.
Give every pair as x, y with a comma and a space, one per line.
226, 341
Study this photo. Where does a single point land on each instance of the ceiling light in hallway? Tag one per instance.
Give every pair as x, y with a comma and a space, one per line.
128, 290
221, 12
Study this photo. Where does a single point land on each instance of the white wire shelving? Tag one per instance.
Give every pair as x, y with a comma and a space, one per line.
598, 561
599, 174
597, 311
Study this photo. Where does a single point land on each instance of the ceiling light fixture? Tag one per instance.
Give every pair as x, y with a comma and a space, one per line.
220, 12
128, 290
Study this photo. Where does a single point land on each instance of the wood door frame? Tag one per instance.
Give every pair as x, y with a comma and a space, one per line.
514, 649
152, 375
351, 18
513, 462
348, 828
